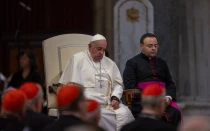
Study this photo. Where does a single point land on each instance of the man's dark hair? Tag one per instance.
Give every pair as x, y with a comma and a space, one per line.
145, 36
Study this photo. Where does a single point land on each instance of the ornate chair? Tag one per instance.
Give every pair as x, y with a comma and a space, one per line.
57, 51
130, 94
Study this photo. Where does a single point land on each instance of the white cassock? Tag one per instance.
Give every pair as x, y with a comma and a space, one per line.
101, 80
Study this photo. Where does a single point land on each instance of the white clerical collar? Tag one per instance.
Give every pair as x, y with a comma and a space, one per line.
89, 55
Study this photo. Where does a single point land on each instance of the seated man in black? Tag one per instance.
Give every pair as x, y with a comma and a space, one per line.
145, 69
153, 104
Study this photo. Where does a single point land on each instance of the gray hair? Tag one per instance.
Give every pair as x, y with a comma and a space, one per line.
151, 101
40, 94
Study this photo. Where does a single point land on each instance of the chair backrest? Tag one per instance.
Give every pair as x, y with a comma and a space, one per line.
57, 51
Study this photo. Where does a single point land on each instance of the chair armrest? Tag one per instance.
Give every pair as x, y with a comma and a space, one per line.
54, 87
130, 94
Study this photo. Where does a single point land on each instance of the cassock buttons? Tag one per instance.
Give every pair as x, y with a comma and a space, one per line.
152, 67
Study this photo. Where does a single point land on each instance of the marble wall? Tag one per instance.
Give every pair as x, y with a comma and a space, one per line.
166, 23
194, 63
132, 19
194, 57
183, 31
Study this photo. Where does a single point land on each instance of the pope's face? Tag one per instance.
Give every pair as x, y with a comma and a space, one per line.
97, 49
149, 46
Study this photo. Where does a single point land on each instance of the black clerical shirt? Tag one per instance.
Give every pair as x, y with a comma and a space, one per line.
140, 68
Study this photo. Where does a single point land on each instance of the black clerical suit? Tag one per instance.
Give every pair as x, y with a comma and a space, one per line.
138, 69
142, 69
11, 123
172, 116
148, 123
36, 121
64, 122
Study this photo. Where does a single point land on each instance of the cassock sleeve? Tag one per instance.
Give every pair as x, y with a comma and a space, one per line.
117, 89
170, 86
129, 75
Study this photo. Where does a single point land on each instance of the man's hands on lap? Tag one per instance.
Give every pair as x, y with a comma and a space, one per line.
115, 102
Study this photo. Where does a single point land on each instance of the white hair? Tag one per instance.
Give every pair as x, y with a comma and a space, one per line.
152, 101
40, 94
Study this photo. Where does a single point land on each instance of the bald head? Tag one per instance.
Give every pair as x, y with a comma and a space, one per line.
196, 123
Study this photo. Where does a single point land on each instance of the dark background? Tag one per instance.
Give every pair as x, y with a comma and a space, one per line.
46, 19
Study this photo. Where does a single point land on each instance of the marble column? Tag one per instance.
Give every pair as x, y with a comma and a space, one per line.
193, 53
194, 60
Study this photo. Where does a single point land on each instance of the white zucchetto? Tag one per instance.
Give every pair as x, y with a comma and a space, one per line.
97, 37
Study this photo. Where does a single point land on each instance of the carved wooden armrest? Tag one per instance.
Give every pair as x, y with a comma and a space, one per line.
54, 87
130, 94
